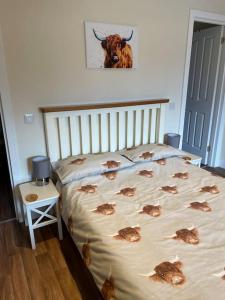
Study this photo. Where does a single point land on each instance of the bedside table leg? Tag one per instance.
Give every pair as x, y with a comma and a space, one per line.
59, 221
31, 230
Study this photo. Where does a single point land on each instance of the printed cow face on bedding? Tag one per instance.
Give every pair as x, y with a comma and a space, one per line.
213, 189
169, 189
108, 289
189, 236
146, 155
151, 210
184, 175
86, 253
203, 206
130, 234
105, 209
111, 164
89, 188
146, 173
161, 162
169, 272
78, 161
128, 192
110, 175
186, 158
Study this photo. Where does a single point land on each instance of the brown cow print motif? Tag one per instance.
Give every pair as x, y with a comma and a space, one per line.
78, 161
110, 175
105, 209
203, 206
169, 189
108, 289
146, 155
86, 253
213, 189
151, 210
130, 234
89, 188
186, 158
110, 164
146, 173
189, 236
169, 272
184, 175
128, 192
161, 162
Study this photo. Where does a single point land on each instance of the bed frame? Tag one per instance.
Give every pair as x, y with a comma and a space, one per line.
82, 129
71, 130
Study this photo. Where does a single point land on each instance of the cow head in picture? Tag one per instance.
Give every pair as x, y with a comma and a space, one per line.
118, 53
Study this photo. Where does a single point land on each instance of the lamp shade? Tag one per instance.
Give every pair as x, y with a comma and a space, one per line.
41, 167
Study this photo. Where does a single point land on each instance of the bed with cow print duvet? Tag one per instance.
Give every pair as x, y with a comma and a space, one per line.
155, 230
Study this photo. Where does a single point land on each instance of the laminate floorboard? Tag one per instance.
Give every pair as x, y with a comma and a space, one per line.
54, 270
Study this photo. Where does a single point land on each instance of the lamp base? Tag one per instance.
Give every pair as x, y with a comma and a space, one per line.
42, 181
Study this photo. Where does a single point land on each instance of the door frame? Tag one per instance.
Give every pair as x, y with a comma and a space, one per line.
206, 17
9, 130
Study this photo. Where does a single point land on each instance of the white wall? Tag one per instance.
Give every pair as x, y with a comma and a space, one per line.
45, 57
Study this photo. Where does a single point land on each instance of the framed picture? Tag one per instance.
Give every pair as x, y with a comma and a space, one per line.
110, 46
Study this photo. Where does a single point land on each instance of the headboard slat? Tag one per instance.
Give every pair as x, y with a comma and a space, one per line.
95, 130
121, 129
146, 126
104, 132
153, 120
104, 129
137, 126
85, 133
113, 131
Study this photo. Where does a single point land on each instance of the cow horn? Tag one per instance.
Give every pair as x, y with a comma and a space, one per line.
128, 39
97, 37
221, 274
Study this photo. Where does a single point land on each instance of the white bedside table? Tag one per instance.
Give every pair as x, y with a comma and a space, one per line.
46, 198
193, 159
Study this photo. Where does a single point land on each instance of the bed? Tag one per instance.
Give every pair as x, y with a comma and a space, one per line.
161, 234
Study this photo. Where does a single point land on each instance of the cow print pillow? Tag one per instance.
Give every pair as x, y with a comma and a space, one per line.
150, 152
80, 166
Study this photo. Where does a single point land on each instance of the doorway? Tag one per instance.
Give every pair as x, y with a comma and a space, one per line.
202, 85
213, 148
7, 210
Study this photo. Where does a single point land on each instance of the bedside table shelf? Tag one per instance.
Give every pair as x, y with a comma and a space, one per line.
47, 199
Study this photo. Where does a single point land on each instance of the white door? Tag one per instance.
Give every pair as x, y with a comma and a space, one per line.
201, 87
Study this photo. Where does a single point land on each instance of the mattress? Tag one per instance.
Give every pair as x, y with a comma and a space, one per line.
152, 231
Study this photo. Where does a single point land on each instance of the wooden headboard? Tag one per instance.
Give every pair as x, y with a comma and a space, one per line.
72, 130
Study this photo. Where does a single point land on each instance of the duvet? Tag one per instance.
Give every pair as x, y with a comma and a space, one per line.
152, 231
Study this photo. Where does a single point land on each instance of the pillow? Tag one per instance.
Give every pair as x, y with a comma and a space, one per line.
79, 166
150, 152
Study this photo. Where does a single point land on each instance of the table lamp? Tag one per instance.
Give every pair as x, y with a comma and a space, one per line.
41, 170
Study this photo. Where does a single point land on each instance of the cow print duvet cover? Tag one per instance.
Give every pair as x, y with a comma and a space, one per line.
151, 231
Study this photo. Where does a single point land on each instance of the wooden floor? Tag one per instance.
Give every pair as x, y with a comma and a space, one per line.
54, 270
6, 200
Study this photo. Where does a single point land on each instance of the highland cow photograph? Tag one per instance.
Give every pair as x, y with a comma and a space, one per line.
110, 46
